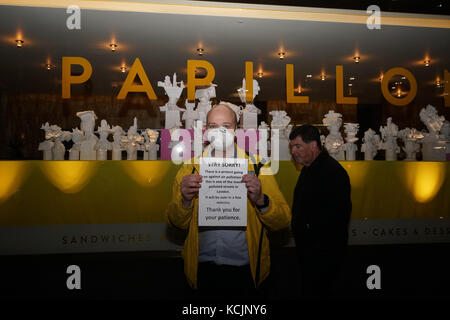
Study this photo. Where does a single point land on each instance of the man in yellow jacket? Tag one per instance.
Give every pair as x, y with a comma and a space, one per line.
225, 260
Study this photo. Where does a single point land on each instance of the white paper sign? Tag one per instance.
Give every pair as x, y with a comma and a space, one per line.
222, 197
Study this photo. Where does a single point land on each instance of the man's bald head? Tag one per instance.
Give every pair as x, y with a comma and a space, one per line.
221, 115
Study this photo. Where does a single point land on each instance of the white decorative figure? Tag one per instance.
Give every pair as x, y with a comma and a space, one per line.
389, 140
87, 151
263, 139
117, 145
150, 146
59, 150
445, 137
173, 91
334, 142
198, 139
433, 149
77, 137
189, 116
103, 145
47, 145
280, 121
204, 96
351, 129
250, 112
132, 141
409, 137
371, 144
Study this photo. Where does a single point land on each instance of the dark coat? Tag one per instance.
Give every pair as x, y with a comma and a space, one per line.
322, 206
320, 217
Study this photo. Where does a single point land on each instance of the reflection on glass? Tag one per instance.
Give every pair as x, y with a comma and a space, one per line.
12, 174
69, 176
425, 179
146, 173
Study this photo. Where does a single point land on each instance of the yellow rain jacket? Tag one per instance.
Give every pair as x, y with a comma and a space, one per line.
277, 217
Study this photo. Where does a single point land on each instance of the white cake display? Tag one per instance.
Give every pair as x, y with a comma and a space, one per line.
77, 137
173, 91
409, 137
445, 138
204, 95
132, 141
433, 148
334, 143
351, 129
47, 145
389, 135
150, 146
190, 115
371, 144
103, 145
59, 150
89, 141
280, 122
250, 112
117, 145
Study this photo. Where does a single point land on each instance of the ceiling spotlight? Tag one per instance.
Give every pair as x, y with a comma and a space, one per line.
350, 85
427, 63
48, 66
322, 77
19, 43
200, 51
281, 55
309, 75
260, 75
113, 46
438, 83
352, 78
123, 69
356, 59
299, 89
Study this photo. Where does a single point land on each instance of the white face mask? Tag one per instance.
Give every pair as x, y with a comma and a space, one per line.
220, 138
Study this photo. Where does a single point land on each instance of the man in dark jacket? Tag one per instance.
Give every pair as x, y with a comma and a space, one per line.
320, 212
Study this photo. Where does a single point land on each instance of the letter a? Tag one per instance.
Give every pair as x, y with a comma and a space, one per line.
74, 281
137, 69
73, 21
374, 281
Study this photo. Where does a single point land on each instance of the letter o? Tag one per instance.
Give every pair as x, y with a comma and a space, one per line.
385, 86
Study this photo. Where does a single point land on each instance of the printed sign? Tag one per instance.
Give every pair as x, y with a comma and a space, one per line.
222, 197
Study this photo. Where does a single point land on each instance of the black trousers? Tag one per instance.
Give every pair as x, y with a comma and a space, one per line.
225, 283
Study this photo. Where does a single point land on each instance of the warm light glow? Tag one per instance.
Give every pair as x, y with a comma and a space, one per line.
260, 75
299, 89
357, 172
322, 77
19, 43
123, 69
427, 63
425, 179
356, 59
48, 66
146, 173
113, 46
12, 175
69, 176
281, 55
200, 51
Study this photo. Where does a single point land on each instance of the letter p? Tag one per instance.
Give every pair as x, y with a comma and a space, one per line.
68, 79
